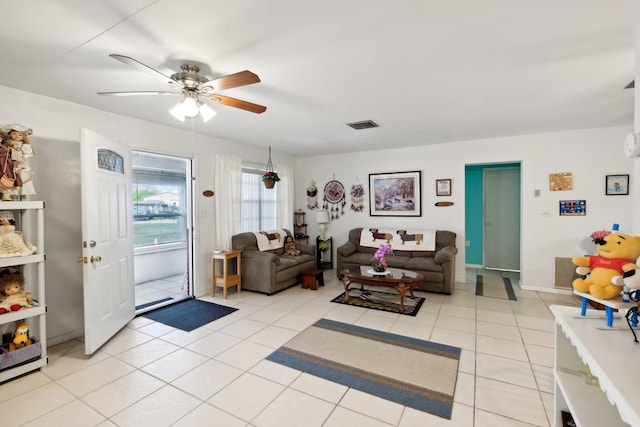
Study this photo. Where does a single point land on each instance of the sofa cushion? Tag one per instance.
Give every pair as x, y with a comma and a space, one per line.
397, 261
422, 264
358, 258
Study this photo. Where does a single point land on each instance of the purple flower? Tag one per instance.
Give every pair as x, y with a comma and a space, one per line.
382, 251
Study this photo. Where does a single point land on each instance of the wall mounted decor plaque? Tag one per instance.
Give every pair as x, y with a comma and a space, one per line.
561, 181
334, 196
573, 207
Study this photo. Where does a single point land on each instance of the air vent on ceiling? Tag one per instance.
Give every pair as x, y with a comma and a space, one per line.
365, 124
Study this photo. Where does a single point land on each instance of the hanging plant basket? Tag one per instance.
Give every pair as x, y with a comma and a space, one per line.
270, 182
270, 177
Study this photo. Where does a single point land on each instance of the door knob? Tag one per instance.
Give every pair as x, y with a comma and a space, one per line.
82, 260
95, 259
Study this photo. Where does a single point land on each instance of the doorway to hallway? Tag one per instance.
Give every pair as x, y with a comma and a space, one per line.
162, 203
492, 216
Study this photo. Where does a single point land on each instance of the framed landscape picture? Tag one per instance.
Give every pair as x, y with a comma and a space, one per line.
395, 194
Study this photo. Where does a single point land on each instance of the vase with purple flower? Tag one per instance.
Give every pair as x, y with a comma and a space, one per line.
379, 262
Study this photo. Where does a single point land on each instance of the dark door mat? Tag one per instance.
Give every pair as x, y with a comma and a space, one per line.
189, 314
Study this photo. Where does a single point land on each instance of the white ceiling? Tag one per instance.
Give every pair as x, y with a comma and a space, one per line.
425, 71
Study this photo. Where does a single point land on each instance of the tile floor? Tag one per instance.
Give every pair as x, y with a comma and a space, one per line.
168, 287
153, 375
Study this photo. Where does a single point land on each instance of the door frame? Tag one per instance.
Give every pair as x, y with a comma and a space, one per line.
474, 212
190, 202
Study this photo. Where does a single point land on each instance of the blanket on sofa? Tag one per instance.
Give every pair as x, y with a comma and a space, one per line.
401, 240
270, 240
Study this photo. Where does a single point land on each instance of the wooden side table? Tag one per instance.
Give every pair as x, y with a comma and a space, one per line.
227, 278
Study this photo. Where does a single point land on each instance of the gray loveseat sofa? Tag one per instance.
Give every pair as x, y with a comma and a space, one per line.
438, 268
271, 271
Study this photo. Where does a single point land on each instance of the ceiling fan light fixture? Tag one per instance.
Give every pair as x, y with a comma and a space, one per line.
177, 112
190, 106
206, 112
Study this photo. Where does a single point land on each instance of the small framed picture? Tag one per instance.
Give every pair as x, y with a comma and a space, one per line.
443, 187
573, 207
617, 185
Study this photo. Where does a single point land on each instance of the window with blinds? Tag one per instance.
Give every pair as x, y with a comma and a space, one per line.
259, 208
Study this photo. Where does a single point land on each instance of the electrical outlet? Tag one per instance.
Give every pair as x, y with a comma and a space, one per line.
536, 193
467, 243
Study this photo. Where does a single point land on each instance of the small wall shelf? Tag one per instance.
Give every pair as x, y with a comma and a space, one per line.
300, 227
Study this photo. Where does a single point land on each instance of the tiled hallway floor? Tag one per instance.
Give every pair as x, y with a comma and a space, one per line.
153, 375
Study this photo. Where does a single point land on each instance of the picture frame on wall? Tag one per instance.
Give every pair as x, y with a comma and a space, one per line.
443, 187
573, 207
617, 185
395, 194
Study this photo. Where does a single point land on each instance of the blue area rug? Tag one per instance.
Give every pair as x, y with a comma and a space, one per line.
412, 372
189, 314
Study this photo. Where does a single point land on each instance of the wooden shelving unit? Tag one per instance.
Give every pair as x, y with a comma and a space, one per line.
300, 226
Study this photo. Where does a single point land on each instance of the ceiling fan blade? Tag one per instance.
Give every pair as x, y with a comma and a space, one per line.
153, 92
145, 68
242, 78
237, 103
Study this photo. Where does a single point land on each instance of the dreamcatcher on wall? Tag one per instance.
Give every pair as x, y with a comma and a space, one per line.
334, 198
312, 195
357, 197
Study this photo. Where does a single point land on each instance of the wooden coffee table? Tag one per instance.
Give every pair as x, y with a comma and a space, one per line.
401, 280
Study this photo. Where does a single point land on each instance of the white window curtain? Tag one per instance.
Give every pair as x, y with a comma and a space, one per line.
227, 184
285, 197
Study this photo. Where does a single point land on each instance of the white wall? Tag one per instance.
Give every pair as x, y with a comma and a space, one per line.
588, 154
56, 128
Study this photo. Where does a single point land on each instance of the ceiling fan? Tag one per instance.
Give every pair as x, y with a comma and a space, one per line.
194, 86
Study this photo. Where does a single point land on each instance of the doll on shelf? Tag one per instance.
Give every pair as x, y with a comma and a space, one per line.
12, 242
7, 170
12, 294
290, 247
21, 154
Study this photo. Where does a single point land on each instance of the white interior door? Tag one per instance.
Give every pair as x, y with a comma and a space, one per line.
107, 233
502, 218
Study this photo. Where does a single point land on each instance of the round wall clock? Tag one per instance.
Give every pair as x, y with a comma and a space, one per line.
632, 145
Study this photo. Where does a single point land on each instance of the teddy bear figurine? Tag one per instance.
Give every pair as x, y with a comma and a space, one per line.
12, 294
617, 254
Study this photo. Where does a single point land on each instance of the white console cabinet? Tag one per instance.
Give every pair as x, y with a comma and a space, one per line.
597, 378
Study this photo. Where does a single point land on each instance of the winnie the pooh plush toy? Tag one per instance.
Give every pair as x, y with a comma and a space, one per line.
617, 254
